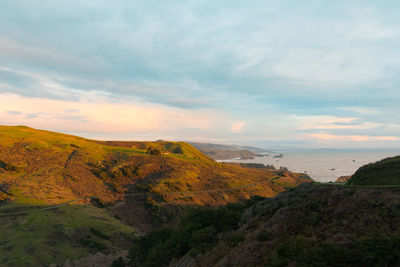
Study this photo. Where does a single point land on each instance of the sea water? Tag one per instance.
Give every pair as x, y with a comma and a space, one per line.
322, 165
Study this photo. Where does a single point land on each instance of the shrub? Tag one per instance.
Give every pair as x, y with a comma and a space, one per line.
153, 151
99, 233
98, 246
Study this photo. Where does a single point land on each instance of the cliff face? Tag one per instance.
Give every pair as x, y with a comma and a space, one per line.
384, 172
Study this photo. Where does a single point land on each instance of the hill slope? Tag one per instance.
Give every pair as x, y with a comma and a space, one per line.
47, 168
311, 225
130, 186
383, 172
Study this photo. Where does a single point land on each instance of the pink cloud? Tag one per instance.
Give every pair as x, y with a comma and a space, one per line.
237, 127
332, 122
357, 138
104, 117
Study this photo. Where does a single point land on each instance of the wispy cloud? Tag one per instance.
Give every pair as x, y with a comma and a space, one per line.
108, 119
357, 138
237, 127
331, 122
264, 70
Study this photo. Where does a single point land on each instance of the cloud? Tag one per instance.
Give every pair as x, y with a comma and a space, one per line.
361, 110
200, 69
102, 118
30, 55
357, 138
334, 123
237, 127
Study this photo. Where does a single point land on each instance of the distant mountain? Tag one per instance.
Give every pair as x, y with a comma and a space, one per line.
227, 147
65, 197
221, 152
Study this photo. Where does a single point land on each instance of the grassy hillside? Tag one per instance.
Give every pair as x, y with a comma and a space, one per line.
41, 167
383, 172
38, 238
311, 225
133, 186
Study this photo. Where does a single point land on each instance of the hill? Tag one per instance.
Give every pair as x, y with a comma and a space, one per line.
221, 152
383, 172
201, 146
310, 225
64, 197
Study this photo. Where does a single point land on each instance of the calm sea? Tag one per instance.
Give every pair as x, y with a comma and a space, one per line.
323, 165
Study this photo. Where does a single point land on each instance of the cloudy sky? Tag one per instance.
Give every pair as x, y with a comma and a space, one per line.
273, 73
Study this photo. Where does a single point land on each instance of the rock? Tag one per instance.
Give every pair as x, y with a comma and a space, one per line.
343, 179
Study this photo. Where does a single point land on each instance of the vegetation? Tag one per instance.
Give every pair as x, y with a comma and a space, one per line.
311, 225
384, 172
36, 238
316, 225
43, 167
196, 232
221, 152
114, 189
374, 250
64, 197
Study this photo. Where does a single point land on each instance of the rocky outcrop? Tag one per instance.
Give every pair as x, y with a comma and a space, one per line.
343, 179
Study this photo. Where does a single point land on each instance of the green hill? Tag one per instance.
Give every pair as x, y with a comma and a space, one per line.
383, 172
112, 190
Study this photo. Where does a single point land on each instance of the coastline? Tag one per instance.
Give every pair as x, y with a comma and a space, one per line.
322, 165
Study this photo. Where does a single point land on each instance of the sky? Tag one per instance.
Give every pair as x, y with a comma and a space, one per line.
296, 74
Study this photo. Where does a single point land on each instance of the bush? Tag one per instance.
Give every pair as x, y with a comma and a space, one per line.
98, 246
203, 236
177, 150
235, 239
197, 230
153, 151
99, 233
369, 251
118, 263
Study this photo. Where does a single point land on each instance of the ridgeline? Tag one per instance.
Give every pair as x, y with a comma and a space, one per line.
65, 197
66, 200
311, 225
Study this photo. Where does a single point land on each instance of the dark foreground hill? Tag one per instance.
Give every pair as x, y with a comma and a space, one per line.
64, 197
384, 172
311, 225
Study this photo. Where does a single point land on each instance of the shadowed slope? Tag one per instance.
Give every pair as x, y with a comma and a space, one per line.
383, 172
311, 225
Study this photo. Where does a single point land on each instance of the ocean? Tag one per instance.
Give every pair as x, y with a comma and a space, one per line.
320, 164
